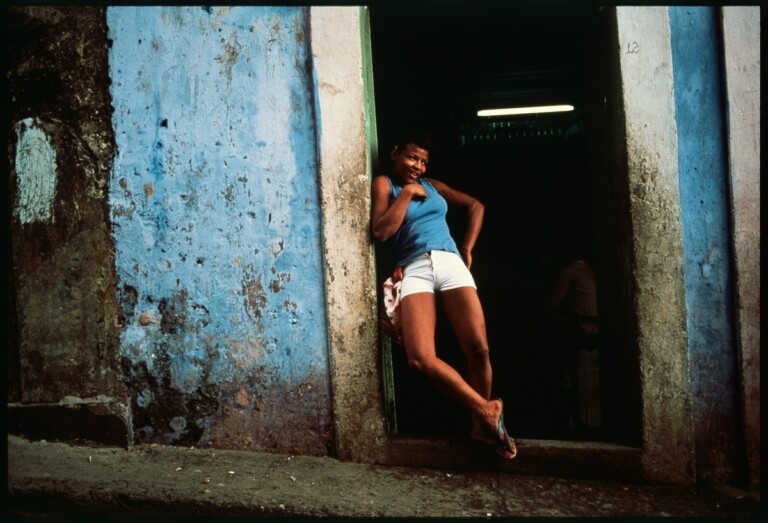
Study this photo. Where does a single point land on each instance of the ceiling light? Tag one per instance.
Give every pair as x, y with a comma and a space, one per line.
525, 110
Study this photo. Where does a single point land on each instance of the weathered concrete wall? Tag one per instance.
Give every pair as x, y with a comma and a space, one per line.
349, 263
741, 42
652, 172
215, 203
700, 116
60, 145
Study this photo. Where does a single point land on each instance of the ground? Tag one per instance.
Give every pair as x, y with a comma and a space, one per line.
47, 479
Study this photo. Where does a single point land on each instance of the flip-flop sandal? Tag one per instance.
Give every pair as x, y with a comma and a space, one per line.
505, 443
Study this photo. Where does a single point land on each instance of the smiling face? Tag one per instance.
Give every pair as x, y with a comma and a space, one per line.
410, 163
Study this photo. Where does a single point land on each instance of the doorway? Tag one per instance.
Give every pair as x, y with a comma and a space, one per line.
542, 178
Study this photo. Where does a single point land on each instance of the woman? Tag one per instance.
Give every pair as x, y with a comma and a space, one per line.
411, 209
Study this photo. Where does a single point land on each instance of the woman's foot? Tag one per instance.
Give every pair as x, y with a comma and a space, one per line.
490, 429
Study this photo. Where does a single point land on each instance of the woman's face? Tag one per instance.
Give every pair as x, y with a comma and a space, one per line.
410, 163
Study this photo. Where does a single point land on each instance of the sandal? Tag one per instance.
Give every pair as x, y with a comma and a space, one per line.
505, 444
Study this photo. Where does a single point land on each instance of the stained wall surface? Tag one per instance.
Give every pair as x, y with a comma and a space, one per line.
63, 348
345, 172
741, 49
215, 209
657, 242
707, 254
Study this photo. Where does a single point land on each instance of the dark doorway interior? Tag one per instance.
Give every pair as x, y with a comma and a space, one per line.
436, 66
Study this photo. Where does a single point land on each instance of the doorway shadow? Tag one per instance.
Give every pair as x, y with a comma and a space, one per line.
536, 176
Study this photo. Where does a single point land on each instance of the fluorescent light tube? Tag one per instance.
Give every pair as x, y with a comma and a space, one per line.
525, 110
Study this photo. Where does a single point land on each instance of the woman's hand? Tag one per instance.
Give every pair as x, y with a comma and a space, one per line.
387, 218
416, 191
475, 212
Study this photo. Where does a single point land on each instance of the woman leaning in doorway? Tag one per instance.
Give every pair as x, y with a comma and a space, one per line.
410, 209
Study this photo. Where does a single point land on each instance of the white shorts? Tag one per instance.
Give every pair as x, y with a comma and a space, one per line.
435, 271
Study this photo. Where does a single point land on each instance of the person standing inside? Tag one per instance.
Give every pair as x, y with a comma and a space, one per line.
574, 304
410, 210
575, 298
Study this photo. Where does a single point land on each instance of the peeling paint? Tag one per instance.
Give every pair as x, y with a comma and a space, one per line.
214, 199
254, 295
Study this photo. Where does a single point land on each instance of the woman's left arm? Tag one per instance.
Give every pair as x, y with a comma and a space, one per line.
475, 211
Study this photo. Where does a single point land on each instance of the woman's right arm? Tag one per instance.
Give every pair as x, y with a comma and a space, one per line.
386, 219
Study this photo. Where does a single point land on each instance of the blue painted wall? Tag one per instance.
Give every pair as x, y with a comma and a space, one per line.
699, 104
215, 209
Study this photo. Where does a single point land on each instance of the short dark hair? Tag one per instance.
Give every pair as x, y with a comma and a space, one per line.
418, 137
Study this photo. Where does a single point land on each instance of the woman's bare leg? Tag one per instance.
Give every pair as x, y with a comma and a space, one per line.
464, 311
418, 316
462, 306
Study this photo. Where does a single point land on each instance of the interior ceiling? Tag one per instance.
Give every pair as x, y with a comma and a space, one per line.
483, 56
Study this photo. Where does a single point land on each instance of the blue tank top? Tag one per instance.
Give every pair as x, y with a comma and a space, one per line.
424, 227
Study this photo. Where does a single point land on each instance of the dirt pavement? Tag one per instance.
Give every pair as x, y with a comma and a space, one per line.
59, 479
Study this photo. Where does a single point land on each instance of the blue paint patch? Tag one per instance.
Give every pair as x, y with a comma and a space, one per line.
699, 105
217, 155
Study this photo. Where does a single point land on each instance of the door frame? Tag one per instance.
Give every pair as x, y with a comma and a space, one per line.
645, 123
